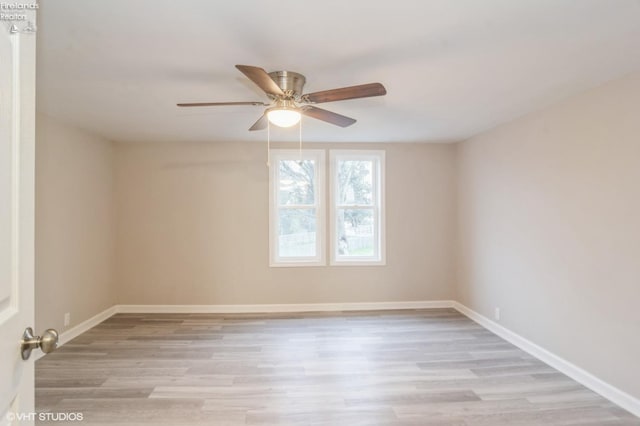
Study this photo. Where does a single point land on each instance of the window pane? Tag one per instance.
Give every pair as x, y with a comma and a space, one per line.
355, 182
355, 229
297, 236
295, 184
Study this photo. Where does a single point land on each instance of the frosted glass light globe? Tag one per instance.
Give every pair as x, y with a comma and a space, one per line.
284, 117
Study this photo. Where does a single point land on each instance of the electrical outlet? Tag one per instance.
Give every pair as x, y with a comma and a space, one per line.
496, 314
67, 319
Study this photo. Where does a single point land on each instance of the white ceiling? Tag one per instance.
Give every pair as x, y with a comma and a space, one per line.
452, 69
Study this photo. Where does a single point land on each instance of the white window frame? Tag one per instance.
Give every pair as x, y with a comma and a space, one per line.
378, 158
317, 155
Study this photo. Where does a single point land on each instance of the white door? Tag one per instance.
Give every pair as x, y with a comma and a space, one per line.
17, 189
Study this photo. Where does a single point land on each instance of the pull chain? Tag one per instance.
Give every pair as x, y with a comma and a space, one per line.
268, 144
300, 138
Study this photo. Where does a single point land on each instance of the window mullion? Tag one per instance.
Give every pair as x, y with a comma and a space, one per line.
355, 207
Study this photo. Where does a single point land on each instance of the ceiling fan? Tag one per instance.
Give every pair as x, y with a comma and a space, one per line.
288, 104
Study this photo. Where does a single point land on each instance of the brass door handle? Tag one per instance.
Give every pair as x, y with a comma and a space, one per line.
48, 342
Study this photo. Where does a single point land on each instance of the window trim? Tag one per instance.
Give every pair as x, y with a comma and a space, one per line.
378, 157
320, 205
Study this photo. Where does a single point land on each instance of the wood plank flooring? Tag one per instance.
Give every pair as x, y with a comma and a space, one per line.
410, 367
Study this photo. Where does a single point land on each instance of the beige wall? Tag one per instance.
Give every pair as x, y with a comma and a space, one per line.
549, 209
75, 236
193, 229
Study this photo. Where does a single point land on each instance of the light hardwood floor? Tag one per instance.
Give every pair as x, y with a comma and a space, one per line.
413, 367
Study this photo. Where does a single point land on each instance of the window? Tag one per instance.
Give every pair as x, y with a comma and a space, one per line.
296, 208
357, 207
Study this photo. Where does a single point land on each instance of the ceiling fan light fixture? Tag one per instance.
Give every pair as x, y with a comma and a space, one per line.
284, 117
289, 102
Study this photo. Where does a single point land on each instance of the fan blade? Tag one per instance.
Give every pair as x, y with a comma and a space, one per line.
201, 104
352, 92
261, 78
328, 116
260, 124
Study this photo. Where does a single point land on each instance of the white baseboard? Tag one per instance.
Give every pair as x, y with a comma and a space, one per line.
293, 307
581, 376
77, 330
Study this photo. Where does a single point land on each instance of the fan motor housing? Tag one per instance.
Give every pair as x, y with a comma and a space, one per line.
290, 82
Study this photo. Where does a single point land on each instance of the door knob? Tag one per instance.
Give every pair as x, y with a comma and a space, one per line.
48, 342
